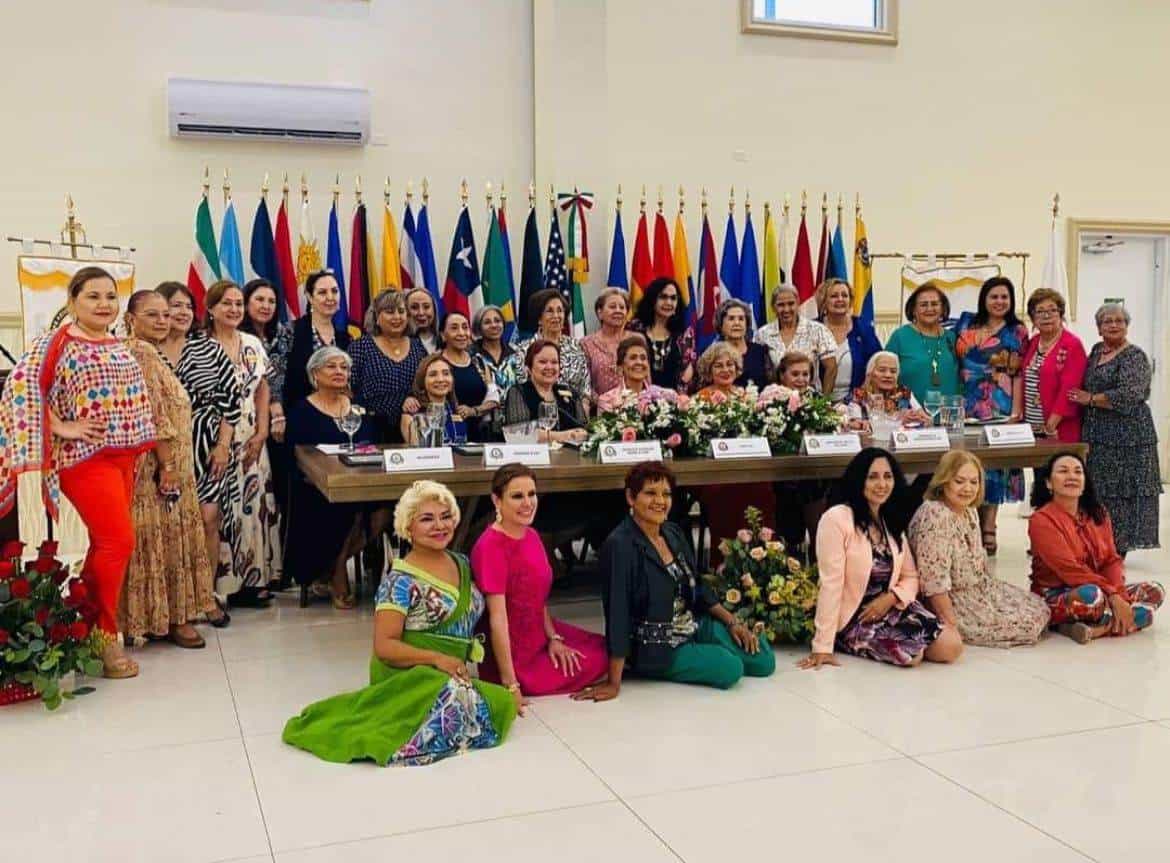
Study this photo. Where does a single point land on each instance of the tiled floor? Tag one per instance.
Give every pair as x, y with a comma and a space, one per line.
1053, 753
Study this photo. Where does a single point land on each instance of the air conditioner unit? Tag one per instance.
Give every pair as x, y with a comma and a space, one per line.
268, 112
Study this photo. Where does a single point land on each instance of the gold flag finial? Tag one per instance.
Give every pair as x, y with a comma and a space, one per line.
642, 200
747, 203
386, 191
767, 210
1055, 207
488, 193
409, 192
304, 187
731, 201
824, 205
659, 197
426, 191
787, 201
857, 206
840, 206
703, 201
619, 198
682, 199
503, 196
206, 180
531, 194
227, 187
463, 193
803, 202
552, 197
357, 187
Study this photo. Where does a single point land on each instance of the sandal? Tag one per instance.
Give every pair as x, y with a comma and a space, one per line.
342, 602
320, 590
119, 666
250, 598
189, 642
990, 542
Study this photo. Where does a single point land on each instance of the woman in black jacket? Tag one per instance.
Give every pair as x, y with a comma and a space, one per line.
659, 618
314, 330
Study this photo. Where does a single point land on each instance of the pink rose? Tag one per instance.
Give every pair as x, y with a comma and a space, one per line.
683, 401
794, 403
766, 534
629, 435
674, 440
758, 553
744, 535
717, 397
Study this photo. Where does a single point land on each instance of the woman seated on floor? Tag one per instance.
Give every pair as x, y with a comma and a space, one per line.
1075, 564
661, 620
421, 704
952, 563
867, 605
320, 536
529, 651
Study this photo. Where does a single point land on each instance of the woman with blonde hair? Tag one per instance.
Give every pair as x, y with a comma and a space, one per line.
855, 338
421, 704
952, 562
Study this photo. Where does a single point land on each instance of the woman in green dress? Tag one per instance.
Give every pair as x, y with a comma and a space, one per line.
925, 348
421, 704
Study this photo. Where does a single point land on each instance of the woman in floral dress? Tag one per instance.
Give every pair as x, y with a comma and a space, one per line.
990, 348
250, 529
952, 564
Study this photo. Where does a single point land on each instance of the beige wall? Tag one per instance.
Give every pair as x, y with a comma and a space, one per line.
956, 138
451, 83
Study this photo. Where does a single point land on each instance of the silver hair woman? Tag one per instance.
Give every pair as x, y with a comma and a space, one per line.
321, 358
1119, 429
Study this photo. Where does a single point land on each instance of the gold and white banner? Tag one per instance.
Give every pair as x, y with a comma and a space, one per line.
43, 280
960, 282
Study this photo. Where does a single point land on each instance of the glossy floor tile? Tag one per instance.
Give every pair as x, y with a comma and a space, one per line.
1054, 753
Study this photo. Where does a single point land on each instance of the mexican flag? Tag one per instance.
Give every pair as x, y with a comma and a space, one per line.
578, 259
204, 268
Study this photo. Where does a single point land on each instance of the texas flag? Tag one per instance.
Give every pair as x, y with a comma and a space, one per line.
462, 291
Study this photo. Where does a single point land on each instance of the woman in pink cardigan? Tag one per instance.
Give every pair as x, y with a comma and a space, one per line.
868, 603
1054, 365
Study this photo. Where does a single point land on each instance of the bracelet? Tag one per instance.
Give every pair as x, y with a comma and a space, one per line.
556, 636
514, 687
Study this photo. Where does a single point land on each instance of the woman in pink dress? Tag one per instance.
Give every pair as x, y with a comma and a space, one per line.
529, 652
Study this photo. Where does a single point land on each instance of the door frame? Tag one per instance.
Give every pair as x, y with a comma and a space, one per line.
1072, 248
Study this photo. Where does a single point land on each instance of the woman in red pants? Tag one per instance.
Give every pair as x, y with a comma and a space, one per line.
76, 409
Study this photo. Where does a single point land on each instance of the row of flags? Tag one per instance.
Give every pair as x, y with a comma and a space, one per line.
408, 262
739, 272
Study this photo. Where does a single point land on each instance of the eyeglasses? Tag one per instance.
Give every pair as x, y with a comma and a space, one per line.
1046, 313
1118, 321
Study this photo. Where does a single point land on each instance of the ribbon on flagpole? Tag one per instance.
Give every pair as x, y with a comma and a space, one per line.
579, 202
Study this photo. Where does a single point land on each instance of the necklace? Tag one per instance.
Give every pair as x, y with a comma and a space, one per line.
933, 345
396, 352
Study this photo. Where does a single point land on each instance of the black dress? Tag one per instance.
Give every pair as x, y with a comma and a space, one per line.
522, 404
757, 367
315, 529
304, 343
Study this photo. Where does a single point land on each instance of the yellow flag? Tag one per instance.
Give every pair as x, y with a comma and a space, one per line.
682, 263
391, 270
771, 263
862, 274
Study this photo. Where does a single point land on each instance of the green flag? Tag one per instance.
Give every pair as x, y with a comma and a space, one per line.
495, 278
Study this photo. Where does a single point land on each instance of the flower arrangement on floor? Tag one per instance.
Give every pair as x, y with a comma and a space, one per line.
46, 627
652, 414
687, 426
774, 594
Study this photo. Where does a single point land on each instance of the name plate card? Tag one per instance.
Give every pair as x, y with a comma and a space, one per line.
418, 458
1016, 434
906, 440
845, 443
740, 447
617, 452
531, 454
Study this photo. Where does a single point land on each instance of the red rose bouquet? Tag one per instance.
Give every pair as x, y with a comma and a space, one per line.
46, 627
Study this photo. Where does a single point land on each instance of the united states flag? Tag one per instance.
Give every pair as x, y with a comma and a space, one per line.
555, 273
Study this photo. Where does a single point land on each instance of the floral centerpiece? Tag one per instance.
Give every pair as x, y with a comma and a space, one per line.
773, 594
652, 414
46, 627
718, 415
785, 416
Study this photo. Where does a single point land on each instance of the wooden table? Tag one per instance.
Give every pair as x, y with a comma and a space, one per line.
570, 471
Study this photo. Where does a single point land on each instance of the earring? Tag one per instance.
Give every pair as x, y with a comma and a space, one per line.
499, 518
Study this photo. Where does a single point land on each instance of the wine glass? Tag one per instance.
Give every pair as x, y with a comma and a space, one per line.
547, 420
436, 420
932, 404
349, 423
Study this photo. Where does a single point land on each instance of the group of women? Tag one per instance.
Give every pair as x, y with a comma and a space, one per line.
897, 586
174, 444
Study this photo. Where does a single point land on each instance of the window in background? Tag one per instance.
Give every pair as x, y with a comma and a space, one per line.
846, 20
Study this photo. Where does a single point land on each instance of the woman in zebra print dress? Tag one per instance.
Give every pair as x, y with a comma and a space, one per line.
207, 375
250, 526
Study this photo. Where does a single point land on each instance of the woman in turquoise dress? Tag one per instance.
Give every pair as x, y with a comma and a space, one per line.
990, 348
421, 704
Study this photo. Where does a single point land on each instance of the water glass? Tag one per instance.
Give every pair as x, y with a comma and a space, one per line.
932, 404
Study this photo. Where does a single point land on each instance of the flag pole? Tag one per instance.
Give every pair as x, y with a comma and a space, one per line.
660, 198
857, 206
618, 206
503, 198
284, 190
703, 201
731, 202
336, 189
552, 199
488, 195
304, 188
803, 202
824, 205
227, 188
409, 192
463, 194
357, 189
682, 200
386, 192
747, 204
1055, 208
840, 206
531, 195
642, 200
786, 203
426, 191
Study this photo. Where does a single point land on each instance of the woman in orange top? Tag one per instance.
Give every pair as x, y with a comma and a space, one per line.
1075, 564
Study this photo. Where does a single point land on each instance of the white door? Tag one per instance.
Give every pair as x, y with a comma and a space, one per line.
1130, 268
